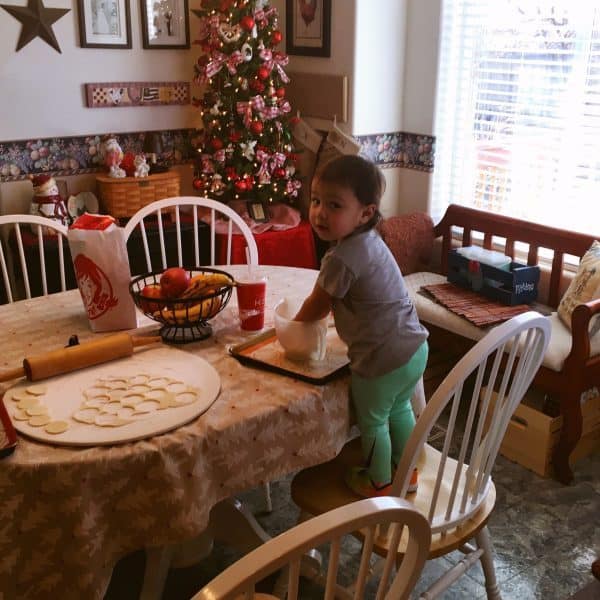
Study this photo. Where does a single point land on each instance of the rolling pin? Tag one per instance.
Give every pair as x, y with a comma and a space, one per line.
76, 357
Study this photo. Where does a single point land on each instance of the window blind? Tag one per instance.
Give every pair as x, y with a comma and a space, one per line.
517, 120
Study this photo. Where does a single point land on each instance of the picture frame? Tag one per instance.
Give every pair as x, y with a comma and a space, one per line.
165, 24
257, 211
308, 27
104, 24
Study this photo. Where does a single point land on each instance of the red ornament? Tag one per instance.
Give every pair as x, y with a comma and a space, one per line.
294, 120
256, 127
247, 23
216, 143
276, 37
257, 86
249, 182
234, 136
263, 73
198, 184
279, 173
231, 173
240, 186
280, 92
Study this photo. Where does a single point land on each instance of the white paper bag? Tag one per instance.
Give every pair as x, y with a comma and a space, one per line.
101, 267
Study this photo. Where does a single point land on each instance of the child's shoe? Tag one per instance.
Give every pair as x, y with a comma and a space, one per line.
414, 481
413, 485
359, 481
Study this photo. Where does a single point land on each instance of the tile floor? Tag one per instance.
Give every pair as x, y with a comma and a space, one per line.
545, 535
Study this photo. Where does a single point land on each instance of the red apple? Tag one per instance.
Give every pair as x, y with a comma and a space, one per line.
174, 281
151, 291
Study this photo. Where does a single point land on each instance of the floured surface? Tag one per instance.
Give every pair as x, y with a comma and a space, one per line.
149, 393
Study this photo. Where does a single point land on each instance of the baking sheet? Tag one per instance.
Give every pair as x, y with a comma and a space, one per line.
265, 352
65, 393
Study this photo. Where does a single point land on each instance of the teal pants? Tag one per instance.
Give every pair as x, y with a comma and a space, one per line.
384, 414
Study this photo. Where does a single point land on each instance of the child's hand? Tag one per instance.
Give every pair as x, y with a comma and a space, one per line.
316, 306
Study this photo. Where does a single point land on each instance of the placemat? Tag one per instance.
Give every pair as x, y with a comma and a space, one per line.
475, 308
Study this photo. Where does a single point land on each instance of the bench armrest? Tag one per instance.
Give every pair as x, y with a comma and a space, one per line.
580, 323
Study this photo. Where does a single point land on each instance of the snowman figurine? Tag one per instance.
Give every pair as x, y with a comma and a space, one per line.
47, 201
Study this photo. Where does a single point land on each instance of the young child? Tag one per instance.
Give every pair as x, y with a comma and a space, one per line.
374, 315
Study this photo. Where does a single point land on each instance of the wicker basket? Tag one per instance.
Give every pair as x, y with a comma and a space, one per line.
124, 197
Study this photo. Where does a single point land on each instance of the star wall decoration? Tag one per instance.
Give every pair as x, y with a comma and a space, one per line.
37, 21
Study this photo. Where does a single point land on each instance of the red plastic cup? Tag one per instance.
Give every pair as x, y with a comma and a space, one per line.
251, 303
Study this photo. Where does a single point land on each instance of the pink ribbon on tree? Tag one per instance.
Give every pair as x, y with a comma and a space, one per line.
219, 59
275, 60
208, 26
256, 103
207, 164
284, 107
292, 186
277, 160
263, 174
261, 16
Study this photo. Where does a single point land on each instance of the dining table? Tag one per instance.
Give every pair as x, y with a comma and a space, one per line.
70, 513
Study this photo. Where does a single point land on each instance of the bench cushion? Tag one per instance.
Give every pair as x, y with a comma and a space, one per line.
436, 314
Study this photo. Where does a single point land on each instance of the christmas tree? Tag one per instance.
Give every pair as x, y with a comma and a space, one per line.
246, 151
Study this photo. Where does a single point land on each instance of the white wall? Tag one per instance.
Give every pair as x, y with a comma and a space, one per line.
420, 65
379, 66
341, 62
42, 90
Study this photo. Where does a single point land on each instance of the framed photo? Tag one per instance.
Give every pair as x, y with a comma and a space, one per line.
257, 211
104, 24
308, 27
165, 24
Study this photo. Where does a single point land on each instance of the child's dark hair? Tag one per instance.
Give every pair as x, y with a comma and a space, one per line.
363, 177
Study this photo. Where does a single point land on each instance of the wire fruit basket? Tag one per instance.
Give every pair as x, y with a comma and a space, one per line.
184, 319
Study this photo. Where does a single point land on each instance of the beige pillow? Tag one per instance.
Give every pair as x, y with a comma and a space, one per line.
584, 287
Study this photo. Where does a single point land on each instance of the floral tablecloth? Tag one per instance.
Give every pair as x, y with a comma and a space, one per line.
68, 514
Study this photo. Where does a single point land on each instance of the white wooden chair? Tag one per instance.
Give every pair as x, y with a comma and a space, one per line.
399, 520
40, 227
455, 491
190, 205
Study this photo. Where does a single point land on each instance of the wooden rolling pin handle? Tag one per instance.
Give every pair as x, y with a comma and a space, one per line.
78, 356
65, 360
12, 374
145, 340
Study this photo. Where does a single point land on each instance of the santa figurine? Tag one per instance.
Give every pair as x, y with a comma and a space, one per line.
47, 201
112, 155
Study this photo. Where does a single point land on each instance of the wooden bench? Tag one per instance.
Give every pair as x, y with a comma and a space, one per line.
572, 362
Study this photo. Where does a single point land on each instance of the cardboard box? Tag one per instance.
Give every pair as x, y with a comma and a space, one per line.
531, 435
518, 284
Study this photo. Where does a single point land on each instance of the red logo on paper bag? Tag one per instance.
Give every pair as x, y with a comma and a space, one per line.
94, 286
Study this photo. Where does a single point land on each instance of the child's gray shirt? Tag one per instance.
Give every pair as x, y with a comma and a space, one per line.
373, 312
